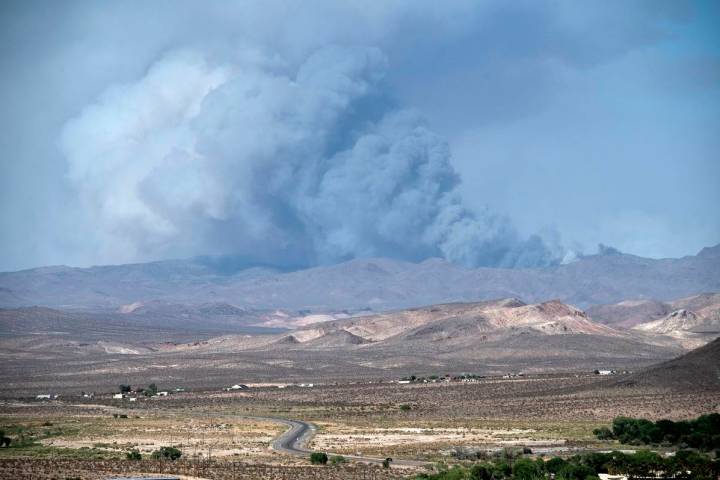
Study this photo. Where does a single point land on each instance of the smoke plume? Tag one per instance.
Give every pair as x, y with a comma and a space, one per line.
289, 165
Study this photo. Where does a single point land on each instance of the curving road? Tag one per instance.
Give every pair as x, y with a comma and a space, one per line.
295, 439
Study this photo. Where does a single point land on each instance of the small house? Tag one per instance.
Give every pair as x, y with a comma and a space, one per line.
238, 386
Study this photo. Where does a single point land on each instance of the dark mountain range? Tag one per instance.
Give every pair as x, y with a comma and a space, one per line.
377, 284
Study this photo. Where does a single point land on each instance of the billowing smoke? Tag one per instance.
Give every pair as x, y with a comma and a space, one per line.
284, 164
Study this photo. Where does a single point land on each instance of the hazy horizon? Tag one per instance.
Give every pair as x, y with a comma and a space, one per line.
238, 263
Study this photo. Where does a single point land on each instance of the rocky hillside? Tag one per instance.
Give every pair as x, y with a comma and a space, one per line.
542, 336
693, 320
484, 320
628, 313
485, 338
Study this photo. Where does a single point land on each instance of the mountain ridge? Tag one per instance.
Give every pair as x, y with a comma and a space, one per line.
375, 283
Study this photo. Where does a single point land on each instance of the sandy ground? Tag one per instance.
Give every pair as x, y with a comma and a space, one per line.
335, 437
194, 436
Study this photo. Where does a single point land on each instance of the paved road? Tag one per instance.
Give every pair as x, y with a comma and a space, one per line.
295, 439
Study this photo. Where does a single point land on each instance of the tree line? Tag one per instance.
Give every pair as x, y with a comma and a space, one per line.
684, 465
703, 433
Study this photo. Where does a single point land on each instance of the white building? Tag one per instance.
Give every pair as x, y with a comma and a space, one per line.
238, 386
117, 396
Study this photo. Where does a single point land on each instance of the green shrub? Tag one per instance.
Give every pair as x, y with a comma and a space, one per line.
133, 455
526, 469
603, 433
166, 453
481, 471
318, 458
572, 471
151, 390
555, 464
405, 407
337, 460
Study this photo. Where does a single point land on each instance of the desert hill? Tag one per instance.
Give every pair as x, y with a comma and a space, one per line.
378, 284
694, 320
447, 321
628, 313
696, 370
487, 338
153, 322
508, 331
698, 314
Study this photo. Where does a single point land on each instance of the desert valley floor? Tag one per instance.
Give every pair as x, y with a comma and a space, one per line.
119, 367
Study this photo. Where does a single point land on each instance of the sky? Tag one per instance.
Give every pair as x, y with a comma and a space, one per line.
488, 133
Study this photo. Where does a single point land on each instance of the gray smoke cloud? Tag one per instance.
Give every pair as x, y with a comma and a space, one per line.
285, 132
306, 163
